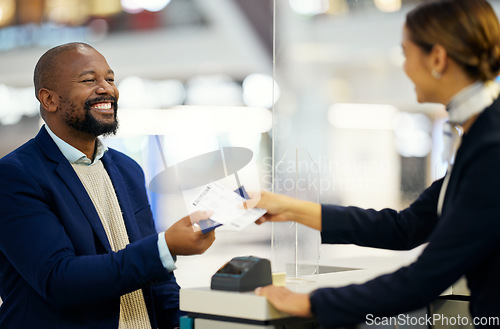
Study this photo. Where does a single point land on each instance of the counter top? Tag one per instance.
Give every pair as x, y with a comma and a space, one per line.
333, 273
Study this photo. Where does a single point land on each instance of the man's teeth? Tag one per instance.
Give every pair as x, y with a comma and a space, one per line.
102, 106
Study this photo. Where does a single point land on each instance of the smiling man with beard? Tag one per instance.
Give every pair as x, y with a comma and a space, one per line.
81, 97
78, 245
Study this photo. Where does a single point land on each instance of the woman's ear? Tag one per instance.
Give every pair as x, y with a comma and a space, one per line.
438, 59
48, 99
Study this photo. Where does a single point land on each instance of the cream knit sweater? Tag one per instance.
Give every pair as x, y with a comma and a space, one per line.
95, 179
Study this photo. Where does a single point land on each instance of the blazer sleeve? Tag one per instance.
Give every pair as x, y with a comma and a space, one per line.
166, 301
460, 244
387, 228
165, 294
36, 244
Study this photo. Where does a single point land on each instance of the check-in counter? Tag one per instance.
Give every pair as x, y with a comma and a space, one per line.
210, 309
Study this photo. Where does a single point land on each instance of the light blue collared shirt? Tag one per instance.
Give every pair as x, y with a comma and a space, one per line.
75, 156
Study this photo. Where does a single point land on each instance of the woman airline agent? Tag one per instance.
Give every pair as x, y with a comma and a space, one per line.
452, 50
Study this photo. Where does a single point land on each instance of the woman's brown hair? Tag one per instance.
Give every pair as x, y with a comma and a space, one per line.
467, 29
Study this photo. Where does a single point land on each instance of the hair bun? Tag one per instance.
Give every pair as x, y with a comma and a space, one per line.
489, 63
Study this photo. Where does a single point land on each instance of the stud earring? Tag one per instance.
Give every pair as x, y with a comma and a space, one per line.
435, 74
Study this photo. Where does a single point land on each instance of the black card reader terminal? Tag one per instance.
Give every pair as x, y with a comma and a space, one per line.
243, 274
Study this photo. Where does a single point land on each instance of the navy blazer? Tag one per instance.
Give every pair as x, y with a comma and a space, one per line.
57, 269
465, 240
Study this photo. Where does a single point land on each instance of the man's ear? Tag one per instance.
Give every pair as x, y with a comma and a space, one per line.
48, 99
439, 59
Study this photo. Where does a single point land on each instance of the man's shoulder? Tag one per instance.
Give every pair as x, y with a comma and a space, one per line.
26, 150
40, 146
121, 161
116, 156
24, 163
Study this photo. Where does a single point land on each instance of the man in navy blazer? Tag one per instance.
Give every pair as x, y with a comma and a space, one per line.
57, 269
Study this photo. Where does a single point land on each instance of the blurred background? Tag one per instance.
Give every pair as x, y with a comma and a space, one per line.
314, 88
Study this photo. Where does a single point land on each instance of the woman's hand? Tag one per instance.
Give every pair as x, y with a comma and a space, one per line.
287, 301
277, 206
282, 208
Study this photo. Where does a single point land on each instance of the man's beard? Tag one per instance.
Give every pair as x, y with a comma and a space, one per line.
89, 124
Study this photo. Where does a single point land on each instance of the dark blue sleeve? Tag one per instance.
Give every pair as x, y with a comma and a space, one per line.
36, 243
387, 228
464, 242
166, 301
165, 294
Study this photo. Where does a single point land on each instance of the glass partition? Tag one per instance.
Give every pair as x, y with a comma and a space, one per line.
295, 247
347, 128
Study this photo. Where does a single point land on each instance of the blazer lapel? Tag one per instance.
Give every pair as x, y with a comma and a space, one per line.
483, 132
123, 199
75, 186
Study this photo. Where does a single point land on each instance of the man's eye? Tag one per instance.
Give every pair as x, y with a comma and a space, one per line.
88, 80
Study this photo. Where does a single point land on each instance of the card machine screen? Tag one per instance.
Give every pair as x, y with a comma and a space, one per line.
243, 274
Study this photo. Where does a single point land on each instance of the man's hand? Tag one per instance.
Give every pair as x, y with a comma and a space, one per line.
287, 301
183, 240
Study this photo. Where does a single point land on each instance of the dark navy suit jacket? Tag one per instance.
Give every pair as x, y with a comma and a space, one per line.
57, 269
465, 240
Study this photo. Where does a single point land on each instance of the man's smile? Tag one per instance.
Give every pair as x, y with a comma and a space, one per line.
104, 107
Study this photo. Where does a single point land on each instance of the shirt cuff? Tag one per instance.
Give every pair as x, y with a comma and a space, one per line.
166, 258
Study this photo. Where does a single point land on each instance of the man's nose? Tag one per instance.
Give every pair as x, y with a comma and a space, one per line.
105, 87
